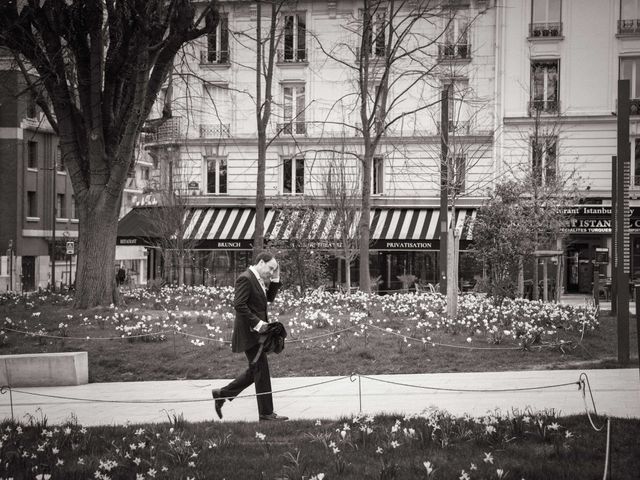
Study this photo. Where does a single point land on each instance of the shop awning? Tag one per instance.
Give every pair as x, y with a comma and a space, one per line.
233, 228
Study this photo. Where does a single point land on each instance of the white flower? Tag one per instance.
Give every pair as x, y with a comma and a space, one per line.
137, 461
429, 467
260, 436
568, 434
464, 475
318, 423
489, 429
139, 476
379, 450
192, 464
395, 444
151, 472
488, 458
499, 472
59, 462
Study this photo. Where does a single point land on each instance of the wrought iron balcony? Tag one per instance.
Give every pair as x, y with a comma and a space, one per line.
215, 130
167, 131
293, 128
213, 57
292, 55
543, 106
629, 26
634, 106
454, 51
545, 29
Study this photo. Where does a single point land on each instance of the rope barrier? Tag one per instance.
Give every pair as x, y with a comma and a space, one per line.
471, 390
584, 385
60, 337
299, 340
194, 400
464, 347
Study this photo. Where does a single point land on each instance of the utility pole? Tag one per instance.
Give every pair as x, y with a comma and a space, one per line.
53, 226
444, 186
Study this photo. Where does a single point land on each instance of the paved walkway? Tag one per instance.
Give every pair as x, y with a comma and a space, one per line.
616, 392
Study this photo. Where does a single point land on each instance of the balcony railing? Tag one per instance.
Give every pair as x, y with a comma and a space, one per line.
293, 128
629, 26
215, 130
454, 51
545, 29
634, 106
459, 127
543, 106
168, 131
293, 55
213, 57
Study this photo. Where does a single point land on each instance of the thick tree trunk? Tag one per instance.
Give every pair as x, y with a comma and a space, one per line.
95, 278
364, 277
452, 275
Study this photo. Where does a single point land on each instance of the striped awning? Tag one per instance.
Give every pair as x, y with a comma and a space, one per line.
233, 228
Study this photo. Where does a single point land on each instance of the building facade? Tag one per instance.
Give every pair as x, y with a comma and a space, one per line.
559, 67
209, 148
36, 199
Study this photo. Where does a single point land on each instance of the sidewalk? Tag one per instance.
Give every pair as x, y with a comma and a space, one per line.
616, 393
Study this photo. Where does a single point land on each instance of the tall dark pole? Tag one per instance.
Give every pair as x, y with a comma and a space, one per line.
621, 232
444, 186
53, 226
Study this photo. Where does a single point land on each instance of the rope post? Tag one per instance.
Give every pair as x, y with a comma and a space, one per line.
360, 392
175, 353
366, 329
3, 389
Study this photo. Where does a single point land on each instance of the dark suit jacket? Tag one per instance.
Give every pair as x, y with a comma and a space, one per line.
250, 304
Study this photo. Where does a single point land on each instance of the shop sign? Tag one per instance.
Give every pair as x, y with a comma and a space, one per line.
597, 219
127, 241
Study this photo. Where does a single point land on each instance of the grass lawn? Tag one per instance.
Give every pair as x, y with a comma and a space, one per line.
398, 340
434, 445
403, 334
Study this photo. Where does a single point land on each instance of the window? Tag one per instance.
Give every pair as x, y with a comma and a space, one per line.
32, 154
293, 176
635, 162
544, 161
61, 206
456, 40
216, 118
544, 86
629, 17
74, 213
373, 24
377, 172
457, 174
59, 160
546, 18
458, 113
293, 110
630, 70
294, 38
32, 204
217, 44
216, 175
144, 172
32, 106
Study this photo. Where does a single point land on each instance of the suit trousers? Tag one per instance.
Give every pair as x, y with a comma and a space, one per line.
259, 375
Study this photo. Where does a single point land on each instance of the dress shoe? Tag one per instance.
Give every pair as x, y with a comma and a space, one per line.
219, 401
273, 417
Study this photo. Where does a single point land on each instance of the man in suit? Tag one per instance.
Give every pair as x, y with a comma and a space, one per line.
255, 287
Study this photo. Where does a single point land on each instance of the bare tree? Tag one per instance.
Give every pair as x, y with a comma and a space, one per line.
342, 189
393, 69
101, 64
548, 185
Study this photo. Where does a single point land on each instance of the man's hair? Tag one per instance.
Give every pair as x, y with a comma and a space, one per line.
264, 256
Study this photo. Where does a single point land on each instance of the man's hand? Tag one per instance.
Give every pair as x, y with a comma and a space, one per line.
275, 277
